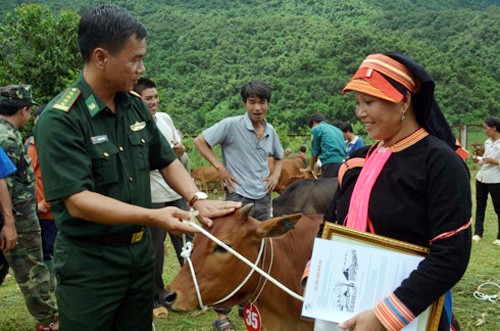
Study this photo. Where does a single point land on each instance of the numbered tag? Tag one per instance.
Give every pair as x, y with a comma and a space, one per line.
251, 316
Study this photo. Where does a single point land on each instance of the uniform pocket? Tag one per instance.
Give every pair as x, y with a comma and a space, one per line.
104, 163
62, 252
139, 140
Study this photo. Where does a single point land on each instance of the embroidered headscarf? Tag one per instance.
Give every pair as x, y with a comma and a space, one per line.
390, 76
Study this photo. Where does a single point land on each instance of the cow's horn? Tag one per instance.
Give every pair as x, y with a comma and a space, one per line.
246, 209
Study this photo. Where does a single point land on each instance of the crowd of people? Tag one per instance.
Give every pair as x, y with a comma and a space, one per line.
86, 203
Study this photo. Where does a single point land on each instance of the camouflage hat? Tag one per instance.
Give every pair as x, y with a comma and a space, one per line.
17, 94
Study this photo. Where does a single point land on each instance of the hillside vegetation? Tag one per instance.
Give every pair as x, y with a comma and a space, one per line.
200, 52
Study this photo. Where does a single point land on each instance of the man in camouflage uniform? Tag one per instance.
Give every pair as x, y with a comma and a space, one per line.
26, 258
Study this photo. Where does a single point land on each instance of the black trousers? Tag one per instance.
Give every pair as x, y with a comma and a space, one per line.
330, 170
4, 267
159, 236
482, 191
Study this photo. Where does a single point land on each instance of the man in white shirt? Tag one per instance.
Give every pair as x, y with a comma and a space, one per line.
161, 194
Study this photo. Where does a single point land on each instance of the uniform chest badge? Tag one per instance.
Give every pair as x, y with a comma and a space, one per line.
137, 126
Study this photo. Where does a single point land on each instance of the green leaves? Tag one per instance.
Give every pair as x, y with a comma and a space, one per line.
39, 48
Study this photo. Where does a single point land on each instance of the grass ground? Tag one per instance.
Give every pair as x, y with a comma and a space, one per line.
473, 314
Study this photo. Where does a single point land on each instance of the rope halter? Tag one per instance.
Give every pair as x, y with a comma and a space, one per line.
186, 254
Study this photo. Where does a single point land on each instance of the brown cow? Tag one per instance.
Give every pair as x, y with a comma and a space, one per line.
290, 172
203, 176
219, 272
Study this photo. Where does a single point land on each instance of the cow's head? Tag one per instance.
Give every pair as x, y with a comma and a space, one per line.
218, 271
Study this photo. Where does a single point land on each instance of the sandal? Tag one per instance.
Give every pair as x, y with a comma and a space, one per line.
160, 312
224, 324
52, 326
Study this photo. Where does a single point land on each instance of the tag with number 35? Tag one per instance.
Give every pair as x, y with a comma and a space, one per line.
251, 316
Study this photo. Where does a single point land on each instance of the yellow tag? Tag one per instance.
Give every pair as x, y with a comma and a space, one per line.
136, 237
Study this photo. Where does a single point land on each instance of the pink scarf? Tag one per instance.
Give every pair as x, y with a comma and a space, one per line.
357, 217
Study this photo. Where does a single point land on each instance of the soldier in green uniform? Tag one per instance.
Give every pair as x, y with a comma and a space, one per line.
26, 258
97, 143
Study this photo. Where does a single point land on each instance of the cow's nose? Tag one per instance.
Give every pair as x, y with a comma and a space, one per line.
169, 298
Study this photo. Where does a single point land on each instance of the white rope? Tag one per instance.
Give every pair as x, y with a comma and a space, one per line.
486, 297
193, 223
246, 278
187, 248
268, 271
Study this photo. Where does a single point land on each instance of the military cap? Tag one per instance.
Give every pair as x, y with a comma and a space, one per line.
17, 94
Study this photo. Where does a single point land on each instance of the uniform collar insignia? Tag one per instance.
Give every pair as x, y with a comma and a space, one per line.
92, 105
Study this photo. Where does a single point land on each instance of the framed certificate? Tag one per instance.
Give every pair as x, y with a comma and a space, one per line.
352, 271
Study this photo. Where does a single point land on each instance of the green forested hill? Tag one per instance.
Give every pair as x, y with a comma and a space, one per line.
200, 52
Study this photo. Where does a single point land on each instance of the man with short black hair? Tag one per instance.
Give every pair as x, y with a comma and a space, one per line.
97, 142
352, 141
327, 145
162, 195
25, 258
247, 141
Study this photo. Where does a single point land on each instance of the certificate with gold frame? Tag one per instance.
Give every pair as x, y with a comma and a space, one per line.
352, 271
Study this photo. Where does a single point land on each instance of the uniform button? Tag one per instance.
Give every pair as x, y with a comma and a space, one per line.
130, 178
143, 141
120, 148
105, 154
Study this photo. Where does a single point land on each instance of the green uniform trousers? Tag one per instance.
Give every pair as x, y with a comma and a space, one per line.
104, 286
32, 276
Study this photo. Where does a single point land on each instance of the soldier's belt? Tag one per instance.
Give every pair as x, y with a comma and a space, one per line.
118, 239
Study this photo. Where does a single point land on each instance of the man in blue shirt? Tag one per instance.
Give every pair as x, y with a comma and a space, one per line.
327, 145
352, 141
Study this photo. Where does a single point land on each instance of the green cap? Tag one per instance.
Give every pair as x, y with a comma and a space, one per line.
17, 94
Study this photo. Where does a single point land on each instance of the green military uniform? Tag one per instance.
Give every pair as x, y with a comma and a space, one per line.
26, 259
85, 146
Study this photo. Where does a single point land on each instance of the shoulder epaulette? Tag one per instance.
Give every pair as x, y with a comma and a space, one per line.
67, 99
135, 94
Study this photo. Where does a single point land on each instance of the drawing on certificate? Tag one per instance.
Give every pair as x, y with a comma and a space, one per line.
348, 276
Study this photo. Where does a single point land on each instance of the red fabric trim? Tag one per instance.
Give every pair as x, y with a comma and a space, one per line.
356, 162
451, 233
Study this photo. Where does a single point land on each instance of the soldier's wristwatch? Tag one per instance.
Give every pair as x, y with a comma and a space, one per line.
198, 196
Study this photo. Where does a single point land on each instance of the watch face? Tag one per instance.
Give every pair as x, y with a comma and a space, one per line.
198, 196
201, 195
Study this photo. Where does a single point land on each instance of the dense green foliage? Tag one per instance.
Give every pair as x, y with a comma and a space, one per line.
38, 47
200, 52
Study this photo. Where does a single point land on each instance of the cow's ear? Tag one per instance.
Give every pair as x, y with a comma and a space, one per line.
277, 227
246, 209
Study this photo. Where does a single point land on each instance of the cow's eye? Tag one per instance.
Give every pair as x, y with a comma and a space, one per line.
220, 249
